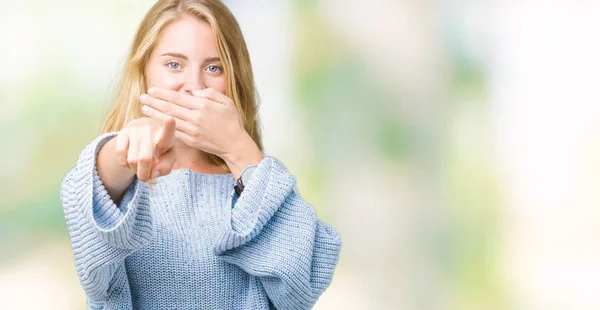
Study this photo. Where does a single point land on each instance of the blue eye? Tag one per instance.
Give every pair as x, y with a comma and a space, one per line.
214, 69
173, 65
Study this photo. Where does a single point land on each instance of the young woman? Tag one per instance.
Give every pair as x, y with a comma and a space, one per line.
174, 205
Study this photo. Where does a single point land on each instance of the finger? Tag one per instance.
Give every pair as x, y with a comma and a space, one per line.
166, 107
212, 95
134, 148
166, 138
121, 148
178, 98
165, 164
179, 123
154, 113
145, 156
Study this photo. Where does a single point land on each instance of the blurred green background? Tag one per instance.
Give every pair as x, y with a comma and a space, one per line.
453, 144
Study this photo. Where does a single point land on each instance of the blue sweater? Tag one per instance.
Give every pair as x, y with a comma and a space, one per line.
191, 243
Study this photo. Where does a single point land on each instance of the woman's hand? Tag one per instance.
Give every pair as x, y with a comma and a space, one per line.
208, 120
146, 146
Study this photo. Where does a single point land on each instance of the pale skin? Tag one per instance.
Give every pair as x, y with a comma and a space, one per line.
188, 115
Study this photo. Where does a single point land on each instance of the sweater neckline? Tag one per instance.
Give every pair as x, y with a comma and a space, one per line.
191, 172
192, 177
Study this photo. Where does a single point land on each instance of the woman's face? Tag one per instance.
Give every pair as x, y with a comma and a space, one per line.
186, 58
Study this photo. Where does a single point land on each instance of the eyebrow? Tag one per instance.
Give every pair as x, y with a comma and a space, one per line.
178, 55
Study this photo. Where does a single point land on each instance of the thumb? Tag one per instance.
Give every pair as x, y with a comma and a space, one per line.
165, 164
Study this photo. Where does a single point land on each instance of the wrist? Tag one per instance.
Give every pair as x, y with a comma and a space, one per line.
243, 153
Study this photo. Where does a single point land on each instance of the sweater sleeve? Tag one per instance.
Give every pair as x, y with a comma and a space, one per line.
102, 233
275, 235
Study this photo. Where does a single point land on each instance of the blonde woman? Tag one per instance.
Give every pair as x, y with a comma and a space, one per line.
174, 205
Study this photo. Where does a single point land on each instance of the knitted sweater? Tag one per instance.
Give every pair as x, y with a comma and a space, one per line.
191, 243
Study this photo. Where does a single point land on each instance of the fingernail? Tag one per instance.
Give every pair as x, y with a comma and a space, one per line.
143, 97
145, 109
151, 90
155, 174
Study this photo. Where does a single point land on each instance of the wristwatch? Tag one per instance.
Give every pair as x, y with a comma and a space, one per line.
244, 179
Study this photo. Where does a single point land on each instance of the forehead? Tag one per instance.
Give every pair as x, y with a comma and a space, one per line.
189, 35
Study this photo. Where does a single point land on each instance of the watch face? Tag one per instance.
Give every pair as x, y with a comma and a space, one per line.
247, 174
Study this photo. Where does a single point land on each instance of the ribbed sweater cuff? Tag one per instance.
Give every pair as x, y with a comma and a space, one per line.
327, 246
267, 189
128, 226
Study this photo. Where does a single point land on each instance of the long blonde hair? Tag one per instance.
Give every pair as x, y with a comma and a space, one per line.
232, 50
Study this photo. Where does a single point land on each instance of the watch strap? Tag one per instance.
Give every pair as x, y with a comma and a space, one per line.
239, 186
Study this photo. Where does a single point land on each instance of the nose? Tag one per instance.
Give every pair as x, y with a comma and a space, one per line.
193, 81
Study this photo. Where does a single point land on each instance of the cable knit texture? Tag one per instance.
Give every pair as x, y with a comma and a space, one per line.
191, 243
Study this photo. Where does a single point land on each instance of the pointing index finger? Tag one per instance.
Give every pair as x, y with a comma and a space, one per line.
166, 137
